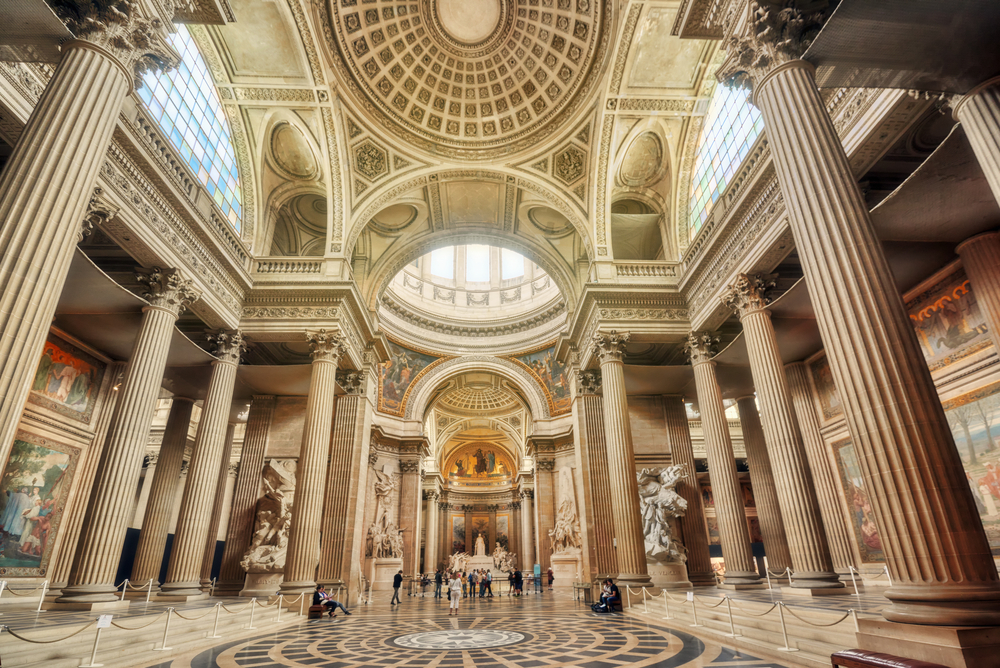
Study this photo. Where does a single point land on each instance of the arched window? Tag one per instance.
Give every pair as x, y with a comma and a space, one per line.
185, 104
730, 129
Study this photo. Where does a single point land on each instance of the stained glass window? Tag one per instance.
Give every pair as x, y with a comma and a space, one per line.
730, 129
185, 104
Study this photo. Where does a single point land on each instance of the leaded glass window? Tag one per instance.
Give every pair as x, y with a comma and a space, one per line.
185, 104
730, 129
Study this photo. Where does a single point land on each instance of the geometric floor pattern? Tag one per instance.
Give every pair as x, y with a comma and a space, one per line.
547, 631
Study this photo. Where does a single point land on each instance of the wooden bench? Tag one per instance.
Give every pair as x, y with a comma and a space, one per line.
859, 658
316, 611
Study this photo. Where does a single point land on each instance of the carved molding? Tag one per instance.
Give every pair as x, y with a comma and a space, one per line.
353, 382
588, 382
228, 345
609, 347
748, 294
167, 289
701, 347
324, 345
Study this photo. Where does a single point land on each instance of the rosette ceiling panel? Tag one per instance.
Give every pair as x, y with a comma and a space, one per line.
470, 77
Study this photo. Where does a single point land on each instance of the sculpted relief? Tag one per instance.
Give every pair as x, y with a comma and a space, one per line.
274, 517
385, 539
660, 504
566, 534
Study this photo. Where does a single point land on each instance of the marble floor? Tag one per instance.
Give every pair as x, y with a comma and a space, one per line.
541, 631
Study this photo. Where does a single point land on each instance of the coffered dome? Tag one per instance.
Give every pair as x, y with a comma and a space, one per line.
470, 76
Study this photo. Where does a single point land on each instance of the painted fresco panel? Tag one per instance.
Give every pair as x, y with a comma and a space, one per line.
480, 464
36, 481
859, 507
553, 376
948, 321
829, 400
457, 534
480, 525
714, 537
67, 380
975, 423
503, 530
397, 376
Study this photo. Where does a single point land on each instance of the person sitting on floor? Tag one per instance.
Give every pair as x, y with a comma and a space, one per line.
610, 597
320, 597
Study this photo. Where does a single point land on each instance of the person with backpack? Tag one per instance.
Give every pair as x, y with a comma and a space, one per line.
489, 583
438, 581
397, 582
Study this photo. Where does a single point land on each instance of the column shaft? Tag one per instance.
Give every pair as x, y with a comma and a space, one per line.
979, 113
162, 493
96, 562
527, 562
409, 515
545, 507
195, 517
834, 521
343, 536
44, 192
981, 259
592, 460
699, 564
303, 543
245, 497
934, 541
772, 523
431, 542
733, 529
221, 485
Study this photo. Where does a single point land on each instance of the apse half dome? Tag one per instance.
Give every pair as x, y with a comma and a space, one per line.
185, 105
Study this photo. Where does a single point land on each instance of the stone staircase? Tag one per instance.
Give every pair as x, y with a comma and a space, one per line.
121, 648
759, 633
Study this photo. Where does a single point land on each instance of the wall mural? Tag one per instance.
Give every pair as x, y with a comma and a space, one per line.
859, 507
503, 531
457, 534
714, 537
67, 380
551, 375
829, 400
479, 464
481, 527
974, 419
947, 320
397, 376
36, 480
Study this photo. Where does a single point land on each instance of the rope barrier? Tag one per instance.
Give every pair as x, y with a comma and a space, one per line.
710, 607
238, 611
47, 642
750, 614
138, 628
806, 621
44, 584
191, 619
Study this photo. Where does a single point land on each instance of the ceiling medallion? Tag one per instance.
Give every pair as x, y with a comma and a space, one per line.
470, 76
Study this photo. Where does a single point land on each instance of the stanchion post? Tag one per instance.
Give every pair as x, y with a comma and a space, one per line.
784, 632
302, 605
628, 596
124, 589
854, 582
732, 626
3, 585
253, 602
694, 609
645, 608
93, 654
41, 599
281, 599
887, 574
768, 574
854, 616
166, 630
666, 606
149, 589
215, 629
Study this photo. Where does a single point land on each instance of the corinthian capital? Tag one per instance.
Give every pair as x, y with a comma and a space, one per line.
588, 382
99, 211
325, 345
167, 289
770, 37
701, 346
118, 27
610, 347
748, 293
353, 382
227, 344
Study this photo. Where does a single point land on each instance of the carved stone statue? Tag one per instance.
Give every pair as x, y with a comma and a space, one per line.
273, 519
385, 538
458, 562
566, 534
660, 504
503, 560
480, 546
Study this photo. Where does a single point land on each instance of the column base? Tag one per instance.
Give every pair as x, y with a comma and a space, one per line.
702, 579
227, 588
87, 595
742, 587
88, 606
178, 591
167, 597
297, 587
634, 580
822, 591
141, 594
742, 579
953, 646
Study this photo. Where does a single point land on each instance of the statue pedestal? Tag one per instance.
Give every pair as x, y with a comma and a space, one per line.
262, 585
668, 575
382, 572
479, 563
565, 569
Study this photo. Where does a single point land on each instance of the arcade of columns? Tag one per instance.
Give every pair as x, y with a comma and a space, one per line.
936, 548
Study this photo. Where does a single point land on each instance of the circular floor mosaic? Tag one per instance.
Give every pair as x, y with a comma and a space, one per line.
459, 639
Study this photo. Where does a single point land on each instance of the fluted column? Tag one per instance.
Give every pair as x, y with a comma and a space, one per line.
304, 536
49, 182
979, 112
221, 487
935, 545
409, 513
248, 491
444, 535
73, 517
823, 480
631, 551
431, 540
527, 530
92, 578
545, 508
592, 460
195, 517
346, 481
772, 523
981, 260
699, 564
162, 493
733, 531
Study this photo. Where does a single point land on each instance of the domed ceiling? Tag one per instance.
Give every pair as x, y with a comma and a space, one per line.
472, 76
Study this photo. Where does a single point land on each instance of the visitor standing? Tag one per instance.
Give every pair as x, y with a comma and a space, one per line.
518, 583
489, 583
397, 582
510, 583
552, 577
482, 583
455, 592
438, 581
